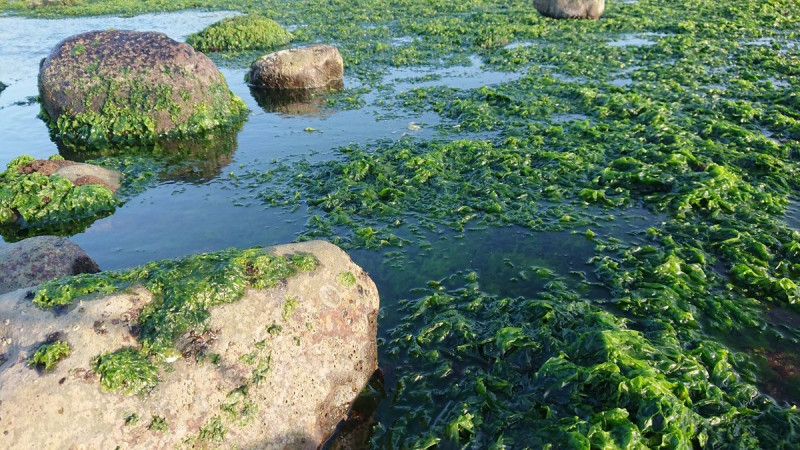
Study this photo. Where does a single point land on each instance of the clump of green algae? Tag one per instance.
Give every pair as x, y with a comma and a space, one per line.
49, 354
41, 202
249, 32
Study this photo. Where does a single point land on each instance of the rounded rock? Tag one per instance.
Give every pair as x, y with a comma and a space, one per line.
123, 86
570, 9
317, 66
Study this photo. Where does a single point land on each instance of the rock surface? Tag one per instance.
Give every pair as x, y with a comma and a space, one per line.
78, 173
38, 259
317, 66
312, 361
122, 85
570, 9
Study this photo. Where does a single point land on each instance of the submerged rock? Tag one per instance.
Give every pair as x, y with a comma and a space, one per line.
570, 9
268, 367
106, 87
317, 66
38, 259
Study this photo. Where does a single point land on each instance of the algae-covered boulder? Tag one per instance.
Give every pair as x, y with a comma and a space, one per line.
251, 32
34, 196
38, 259
317, 66
257, 348
122, 87
570, 9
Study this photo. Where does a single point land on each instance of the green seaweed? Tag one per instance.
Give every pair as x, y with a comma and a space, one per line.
158, 423
48, 355
33, 204
696, 132
126, 119
567, 372
346, 279
127, 370
250, 32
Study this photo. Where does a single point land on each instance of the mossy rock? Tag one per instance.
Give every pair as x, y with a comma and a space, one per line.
37, 201
252, 32
109, 88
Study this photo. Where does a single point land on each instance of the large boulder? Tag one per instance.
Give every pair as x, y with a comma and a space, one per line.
115, 87
570, 9
317, 66
38, 259
282, 341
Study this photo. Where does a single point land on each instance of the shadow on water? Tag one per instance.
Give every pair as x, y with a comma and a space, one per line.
299, 102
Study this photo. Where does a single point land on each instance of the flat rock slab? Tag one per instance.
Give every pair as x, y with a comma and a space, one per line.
35, 260
281, 378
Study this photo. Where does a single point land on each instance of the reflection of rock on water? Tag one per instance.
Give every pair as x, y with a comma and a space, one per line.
302, 102
198, 159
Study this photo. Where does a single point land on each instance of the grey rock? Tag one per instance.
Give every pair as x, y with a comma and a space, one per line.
317, 66
571, 9
38, 259
315, 366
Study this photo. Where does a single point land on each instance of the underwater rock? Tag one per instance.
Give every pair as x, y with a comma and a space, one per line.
276, 367
570, 9
38, 259
316, 66
107, 87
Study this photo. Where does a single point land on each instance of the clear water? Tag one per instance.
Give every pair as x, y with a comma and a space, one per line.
182, 214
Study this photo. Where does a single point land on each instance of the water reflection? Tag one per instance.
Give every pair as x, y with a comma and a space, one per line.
301, 102
195, 160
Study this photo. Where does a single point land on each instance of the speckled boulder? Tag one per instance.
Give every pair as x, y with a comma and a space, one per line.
317, 66
571, 9
276, 368
37, 259
114, 86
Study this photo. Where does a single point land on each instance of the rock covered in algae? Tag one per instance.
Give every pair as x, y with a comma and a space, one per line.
38, 259
37, 199
251, 32
117, 86
570, 9
277, 350
317, 66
